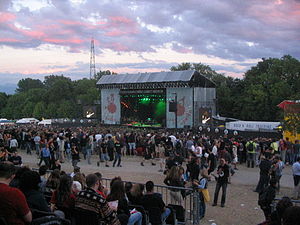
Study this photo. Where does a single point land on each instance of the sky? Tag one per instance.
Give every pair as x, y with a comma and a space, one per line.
44, 37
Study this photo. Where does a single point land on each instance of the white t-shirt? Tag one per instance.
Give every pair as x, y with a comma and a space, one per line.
214, 150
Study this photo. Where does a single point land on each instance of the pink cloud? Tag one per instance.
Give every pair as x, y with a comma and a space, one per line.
118, 47
115, 33
231, 74
6, 17
10, 40
63, 41
120, 19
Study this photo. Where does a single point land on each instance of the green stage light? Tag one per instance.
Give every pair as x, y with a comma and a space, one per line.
160, 108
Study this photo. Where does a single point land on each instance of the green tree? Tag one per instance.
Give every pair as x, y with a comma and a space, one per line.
27, 84
39, 111
267, 84
66, 109
58, 88
3, 102
51, 111
28, 108
14, 106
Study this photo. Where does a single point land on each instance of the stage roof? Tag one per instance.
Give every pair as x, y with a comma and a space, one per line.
187, 78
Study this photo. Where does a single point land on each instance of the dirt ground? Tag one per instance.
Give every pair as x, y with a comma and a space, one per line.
241, 203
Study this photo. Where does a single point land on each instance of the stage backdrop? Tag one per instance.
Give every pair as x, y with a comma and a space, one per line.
110, 106
184, 107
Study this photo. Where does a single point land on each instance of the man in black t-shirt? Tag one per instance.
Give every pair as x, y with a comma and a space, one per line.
154, 200
222, 181
118, 147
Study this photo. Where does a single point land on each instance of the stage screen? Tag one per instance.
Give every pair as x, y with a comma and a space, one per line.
184, 107
110, 106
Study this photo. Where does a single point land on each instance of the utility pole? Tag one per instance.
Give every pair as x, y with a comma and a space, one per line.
92, 61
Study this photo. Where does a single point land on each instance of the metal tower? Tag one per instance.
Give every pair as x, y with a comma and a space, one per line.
92, 61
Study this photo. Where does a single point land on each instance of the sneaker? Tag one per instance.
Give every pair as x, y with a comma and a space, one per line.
142, 164
153, 164
106, 165
215, 204
119, 165
222, 205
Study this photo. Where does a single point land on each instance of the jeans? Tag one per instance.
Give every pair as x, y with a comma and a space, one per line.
83, 150
132, 148
135, 218
165, 214
218, 187
117, 158
68, 154
88, 155
28, 147
250, 159
75, 162
37, 149
202, 208
289, 156
283, 155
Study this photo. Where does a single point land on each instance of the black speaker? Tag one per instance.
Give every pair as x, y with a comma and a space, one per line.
172, 106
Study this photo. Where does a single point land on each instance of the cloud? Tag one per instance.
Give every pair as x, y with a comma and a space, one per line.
216, 32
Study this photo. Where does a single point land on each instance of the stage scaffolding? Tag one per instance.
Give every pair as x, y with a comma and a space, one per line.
193, 93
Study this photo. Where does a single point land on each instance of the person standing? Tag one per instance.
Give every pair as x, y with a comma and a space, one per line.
296, 150
251, 148
45, 155
37, 140
289, 152
118, 154
13, 144
75, 155
296, 175
277, 170
266, 198
264, 174
110, 148
222, 181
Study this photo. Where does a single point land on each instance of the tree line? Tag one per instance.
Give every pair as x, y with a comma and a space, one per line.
253, 97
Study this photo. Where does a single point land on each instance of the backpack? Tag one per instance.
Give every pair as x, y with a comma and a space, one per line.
178, 145
250, 147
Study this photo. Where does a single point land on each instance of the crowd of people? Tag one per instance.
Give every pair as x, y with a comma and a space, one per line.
188, 159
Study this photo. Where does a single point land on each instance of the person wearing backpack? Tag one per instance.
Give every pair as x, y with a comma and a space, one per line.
266, 198
251, 147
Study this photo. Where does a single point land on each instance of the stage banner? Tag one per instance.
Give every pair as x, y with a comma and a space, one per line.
110, 106
184, 107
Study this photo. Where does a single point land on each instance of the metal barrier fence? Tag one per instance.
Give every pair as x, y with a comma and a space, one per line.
190, 202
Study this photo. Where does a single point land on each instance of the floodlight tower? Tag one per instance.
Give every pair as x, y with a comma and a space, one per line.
92, 61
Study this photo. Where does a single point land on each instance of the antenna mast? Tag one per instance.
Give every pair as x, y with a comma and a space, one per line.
92, 61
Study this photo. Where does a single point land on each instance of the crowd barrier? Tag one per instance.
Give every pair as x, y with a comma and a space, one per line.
190, 202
